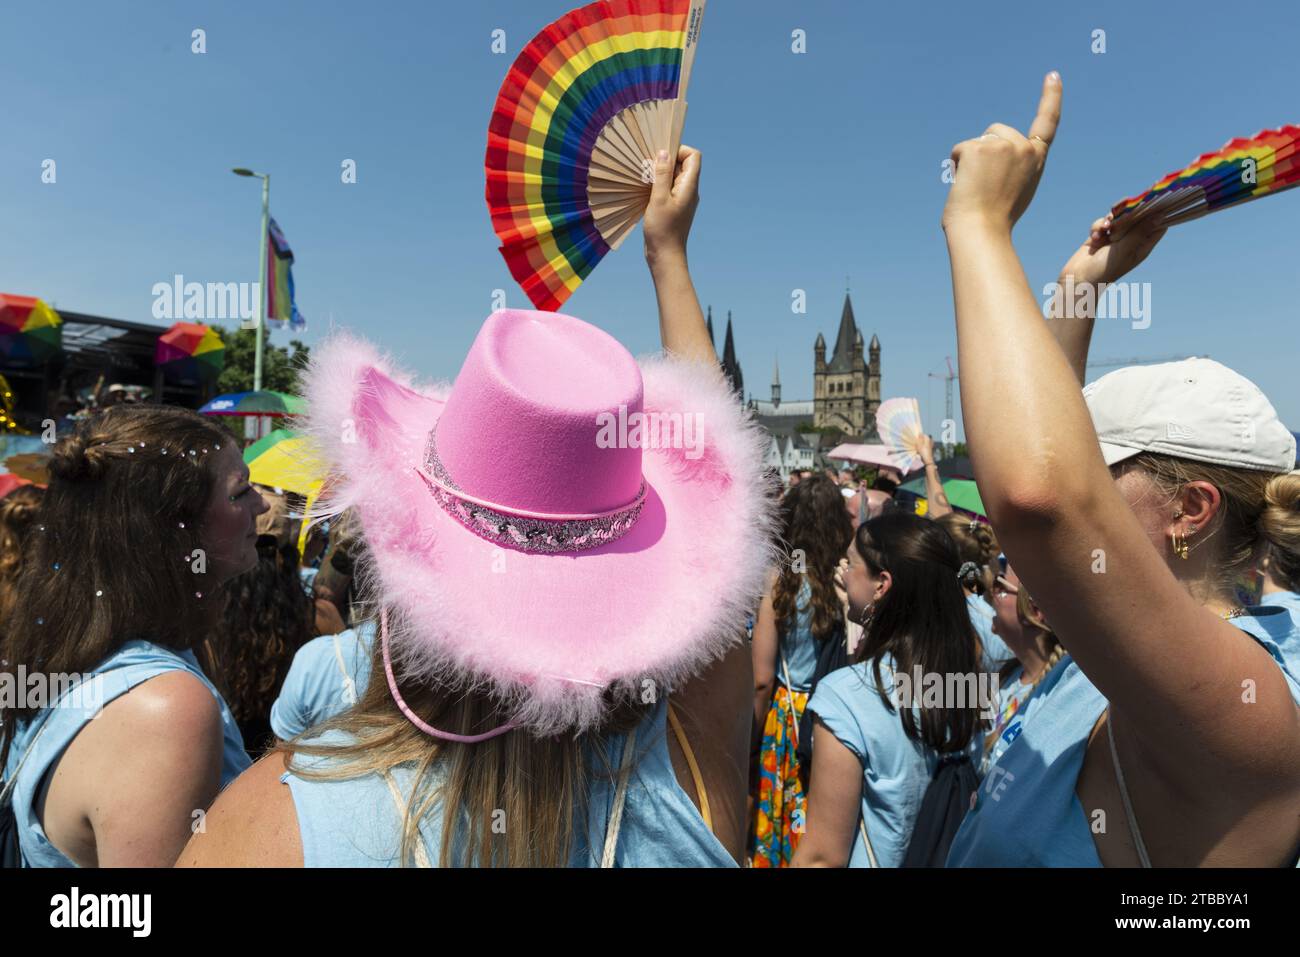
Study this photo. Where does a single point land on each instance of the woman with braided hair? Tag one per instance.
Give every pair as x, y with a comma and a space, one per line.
978, 548
148, 514
1019, 621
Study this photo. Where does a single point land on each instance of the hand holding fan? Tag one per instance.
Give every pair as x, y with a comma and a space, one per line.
581, 116
1244, 169
899, 423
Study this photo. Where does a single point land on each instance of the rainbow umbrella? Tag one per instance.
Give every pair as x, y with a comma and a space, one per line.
264, 402
189, 352
30, 331
281, 459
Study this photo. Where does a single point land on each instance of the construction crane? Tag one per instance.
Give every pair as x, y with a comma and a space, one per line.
952, 377
949, 379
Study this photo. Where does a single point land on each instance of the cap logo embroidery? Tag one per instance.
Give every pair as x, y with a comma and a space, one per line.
1179, 432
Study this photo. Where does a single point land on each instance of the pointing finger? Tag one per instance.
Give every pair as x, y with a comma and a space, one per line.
1043, 130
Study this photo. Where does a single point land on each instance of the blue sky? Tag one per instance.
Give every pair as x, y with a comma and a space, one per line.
817, 166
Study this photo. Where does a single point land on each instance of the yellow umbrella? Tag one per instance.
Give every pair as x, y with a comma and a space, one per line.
282, 459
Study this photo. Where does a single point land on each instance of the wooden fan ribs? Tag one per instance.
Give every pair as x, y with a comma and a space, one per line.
588, 103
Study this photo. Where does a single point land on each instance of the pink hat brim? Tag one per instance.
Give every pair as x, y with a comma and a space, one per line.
549, 632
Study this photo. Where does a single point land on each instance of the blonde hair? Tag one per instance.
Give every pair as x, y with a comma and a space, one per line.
509, 801
975, 543
1030, 616
1280, 525
1259, 514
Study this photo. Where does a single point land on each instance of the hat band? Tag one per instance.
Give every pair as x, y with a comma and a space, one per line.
526, 531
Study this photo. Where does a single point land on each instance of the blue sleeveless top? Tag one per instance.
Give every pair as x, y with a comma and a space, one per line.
354, 822
1026, 813
131, 665
799, 645
326, 678
896, 769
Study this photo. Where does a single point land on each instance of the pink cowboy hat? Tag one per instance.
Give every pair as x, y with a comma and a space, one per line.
525, 535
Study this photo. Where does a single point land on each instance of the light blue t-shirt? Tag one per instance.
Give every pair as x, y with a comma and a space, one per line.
896, 769
354, 822
326, 678
1289, 600
128, 667
996, 652
1026, 812
799, 645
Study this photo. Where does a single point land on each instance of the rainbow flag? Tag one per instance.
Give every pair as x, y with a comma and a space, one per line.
281, 310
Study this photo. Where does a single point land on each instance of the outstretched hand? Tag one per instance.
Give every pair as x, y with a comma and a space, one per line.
674, 197
996, 175
1105, 258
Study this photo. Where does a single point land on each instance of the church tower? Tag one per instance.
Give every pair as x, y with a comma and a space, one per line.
846, 390
776, 385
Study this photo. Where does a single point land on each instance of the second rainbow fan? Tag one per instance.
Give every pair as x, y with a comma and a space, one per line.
583, 112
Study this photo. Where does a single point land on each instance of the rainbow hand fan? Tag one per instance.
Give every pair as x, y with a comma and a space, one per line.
583, 112
899, 423
1239, 172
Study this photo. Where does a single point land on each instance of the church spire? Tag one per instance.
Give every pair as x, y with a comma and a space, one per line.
729, 364
842, 358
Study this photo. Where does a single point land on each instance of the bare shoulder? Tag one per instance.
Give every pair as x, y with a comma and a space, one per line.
176, 701
175, 713
253, 823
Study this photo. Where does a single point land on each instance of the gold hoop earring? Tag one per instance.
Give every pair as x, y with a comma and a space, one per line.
1180, 546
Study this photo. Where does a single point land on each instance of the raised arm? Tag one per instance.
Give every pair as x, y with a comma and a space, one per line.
668, 218
1099, 261
936, 498
1171, 665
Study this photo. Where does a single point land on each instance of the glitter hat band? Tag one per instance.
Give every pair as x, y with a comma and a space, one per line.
554, 564
524, 530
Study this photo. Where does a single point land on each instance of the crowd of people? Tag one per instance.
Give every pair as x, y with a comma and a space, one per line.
505, 643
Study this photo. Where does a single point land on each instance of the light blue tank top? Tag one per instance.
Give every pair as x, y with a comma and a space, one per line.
1026, 812
896, 769
131, 665
996, 652
354, 822
1011, 721
799, 645
326, 678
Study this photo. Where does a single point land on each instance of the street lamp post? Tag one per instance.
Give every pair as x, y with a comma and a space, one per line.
262, 274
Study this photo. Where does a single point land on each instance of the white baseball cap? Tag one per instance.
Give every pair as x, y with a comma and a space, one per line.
1196, 409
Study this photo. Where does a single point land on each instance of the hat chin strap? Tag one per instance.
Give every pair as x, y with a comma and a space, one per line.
410, 715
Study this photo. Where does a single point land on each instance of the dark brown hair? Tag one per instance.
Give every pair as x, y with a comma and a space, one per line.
922, 620
117, 558
268, 616
18, 512
816, 531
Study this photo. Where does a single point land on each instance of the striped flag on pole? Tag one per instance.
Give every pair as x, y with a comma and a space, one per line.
281, 310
